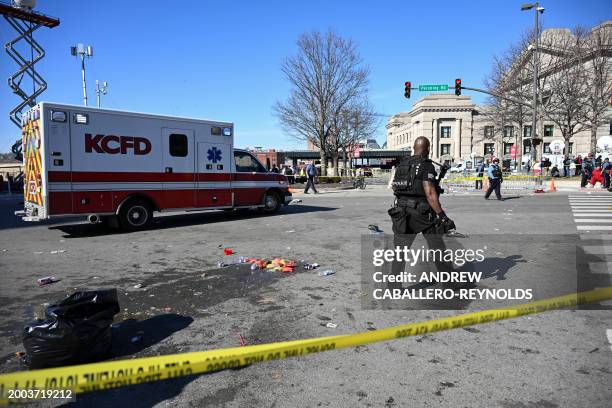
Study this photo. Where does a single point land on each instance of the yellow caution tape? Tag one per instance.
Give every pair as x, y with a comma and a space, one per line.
506, 178
114, 374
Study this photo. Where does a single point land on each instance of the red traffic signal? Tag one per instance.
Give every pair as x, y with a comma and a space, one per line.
458, 86
407, 86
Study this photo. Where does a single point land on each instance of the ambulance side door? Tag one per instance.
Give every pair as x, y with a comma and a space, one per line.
179, 168
214, 174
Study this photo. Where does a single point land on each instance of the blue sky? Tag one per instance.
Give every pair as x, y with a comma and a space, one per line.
221, 59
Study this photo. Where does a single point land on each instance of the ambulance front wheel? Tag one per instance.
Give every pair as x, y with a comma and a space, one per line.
272, 203
135, 215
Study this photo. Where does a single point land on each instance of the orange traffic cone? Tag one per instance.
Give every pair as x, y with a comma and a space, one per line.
552, 187
485, 184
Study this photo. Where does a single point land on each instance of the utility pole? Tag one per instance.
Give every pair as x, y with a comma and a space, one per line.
101, 89
536, 62
81, 51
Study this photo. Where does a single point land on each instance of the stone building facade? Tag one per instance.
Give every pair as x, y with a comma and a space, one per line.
460, 130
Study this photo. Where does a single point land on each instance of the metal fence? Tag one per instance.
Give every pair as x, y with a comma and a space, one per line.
516, 182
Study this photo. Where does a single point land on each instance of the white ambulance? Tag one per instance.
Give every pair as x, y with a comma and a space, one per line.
122, 166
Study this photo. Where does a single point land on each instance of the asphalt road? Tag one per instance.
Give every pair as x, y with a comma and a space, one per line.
187, 303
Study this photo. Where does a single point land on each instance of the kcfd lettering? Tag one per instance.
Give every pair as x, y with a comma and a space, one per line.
111, 144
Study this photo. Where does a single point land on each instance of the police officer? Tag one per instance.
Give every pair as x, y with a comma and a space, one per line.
588, 165
479, 174
417, 208
495, 180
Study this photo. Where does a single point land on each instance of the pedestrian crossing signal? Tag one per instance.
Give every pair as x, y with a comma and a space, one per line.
457, 86
407, 89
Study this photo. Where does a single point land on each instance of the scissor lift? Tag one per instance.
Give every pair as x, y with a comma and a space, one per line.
25, 22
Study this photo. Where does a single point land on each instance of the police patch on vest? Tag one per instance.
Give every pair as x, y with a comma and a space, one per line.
401, 179
431, 176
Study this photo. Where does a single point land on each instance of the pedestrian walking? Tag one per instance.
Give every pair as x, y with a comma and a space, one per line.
311, 172
578, 162
479, 175
495, 179
566, 166
606, 166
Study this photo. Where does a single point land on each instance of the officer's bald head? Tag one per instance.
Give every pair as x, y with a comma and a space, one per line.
421, 146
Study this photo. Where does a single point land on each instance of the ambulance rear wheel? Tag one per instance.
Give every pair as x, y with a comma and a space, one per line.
272, 203
135, 215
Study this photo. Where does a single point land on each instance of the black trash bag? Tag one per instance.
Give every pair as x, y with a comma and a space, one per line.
76, 330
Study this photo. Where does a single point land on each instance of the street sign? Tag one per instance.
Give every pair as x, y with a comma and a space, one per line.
427, 88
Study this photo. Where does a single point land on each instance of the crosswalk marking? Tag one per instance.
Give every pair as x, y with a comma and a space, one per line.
591, 205
601, 267
592, 208
594, 227
597, 249
598, 206
589, 210
606, 237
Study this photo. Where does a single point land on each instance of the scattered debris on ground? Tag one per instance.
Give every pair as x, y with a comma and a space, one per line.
47, 280
374, 229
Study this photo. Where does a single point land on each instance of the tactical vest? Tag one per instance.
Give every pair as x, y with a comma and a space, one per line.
496, 171
405, 181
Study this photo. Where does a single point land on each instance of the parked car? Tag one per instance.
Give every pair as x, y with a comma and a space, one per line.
462, 168
366, 172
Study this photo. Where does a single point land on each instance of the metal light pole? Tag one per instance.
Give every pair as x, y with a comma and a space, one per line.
82, 51
536, 61
101, 89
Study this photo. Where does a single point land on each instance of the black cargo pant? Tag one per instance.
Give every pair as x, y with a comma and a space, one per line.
494, 185
310, 183
409, 219
584, 180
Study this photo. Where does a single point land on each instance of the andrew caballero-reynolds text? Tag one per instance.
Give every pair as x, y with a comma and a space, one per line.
452, 257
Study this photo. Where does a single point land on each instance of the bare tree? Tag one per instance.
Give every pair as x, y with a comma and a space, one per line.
563, 87
598, 55
574, 81
355, 123
326, 76
510, 77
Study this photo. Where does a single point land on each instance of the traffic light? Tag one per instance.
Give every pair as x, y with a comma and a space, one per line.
536, 141
457, 86
407, 89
